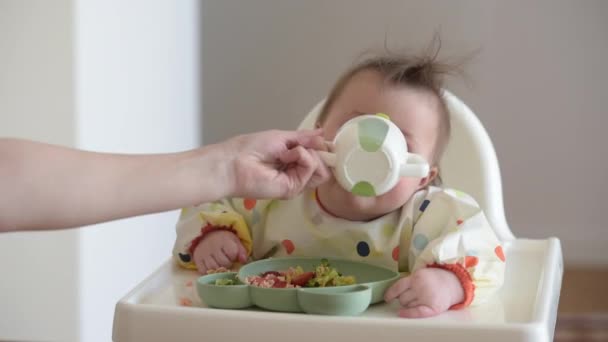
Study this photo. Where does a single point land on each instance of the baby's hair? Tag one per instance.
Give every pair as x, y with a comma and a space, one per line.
422, 72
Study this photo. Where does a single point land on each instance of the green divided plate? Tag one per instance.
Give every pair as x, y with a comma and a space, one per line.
224, 297
372, 282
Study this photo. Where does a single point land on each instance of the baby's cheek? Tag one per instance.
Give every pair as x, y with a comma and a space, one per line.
401, 193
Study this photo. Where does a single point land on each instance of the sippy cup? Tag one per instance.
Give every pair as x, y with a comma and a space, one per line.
371, 154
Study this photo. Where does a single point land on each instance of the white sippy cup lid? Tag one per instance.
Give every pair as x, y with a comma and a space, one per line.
371, 155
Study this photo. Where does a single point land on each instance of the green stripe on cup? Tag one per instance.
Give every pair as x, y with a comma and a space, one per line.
372, 133
364, 188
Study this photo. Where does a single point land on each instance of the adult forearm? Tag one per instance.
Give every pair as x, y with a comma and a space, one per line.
50, 187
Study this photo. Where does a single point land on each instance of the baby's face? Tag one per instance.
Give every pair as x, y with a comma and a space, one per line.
413, 111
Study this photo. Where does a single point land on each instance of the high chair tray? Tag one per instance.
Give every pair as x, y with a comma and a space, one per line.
524, 310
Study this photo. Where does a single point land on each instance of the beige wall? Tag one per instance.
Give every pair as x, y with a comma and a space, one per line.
538, 84
118, 76
38, 271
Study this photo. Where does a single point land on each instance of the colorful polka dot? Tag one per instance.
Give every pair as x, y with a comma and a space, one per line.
424, 204
249, 203
184, 257
388, 230
460, 193
420, 242
499, 253
289, 246
459, 222
363, 248
377, 253
396, 253
189, 283
470, 261
371, 134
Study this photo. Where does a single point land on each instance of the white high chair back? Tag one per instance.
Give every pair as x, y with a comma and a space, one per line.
469, 163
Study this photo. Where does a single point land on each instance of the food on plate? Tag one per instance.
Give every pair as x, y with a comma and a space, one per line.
225, 282
323, 276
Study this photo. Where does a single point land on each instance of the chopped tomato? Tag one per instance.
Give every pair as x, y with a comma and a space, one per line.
302, 279
279, 283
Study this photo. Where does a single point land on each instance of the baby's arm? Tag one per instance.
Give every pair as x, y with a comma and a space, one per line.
427, 292
219, 248
218, 234
455, 258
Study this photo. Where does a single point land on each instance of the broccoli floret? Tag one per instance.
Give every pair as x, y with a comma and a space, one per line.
325, 275
224, 282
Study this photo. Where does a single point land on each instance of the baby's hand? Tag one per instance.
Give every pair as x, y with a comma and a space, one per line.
219, 248
425, 293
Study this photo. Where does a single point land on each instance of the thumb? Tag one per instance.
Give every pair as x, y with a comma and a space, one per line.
242, 253
301, 166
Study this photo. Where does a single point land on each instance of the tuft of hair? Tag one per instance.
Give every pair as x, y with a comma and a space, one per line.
422, 72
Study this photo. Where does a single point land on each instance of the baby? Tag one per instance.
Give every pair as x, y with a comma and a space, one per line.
440, 236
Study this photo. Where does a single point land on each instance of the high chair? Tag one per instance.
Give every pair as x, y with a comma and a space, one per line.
525, 309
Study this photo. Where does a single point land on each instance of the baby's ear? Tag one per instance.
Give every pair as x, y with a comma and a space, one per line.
433, 173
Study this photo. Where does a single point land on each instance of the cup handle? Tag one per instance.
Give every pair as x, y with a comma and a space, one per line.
415, 166
328, 158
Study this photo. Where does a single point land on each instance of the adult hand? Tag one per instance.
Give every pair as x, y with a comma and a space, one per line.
106, 186
274, 164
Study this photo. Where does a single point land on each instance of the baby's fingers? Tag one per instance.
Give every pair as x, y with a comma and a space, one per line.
242, 253
408, 298
210, 262
222, 260
231, 250
420, 311
235, 251
397, 289
200, 266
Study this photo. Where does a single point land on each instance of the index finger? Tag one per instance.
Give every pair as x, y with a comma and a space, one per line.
398, 288
306, 138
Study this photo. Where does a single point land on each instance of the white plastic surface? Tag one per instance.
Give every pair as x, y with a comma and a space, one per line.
525, 309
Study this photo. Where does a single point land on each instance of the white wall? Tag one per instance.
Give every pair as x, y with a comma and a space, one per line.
38, 271
116, 76
137, 92
537, 83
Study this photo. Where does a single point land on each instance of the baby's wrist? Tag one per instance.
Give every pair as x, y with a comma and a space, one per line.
456, 291
460, 284
205, 232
